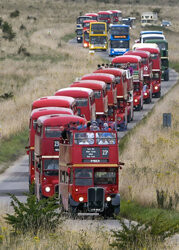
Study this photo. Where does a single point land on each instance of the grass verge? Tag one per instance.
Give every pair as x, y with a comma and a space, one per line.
12, 148
133, 211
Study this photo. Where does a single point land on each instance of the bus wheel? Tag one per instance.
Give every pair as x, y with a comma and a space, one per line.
158, 94
116, 210
72, 210
61, 205
148, 100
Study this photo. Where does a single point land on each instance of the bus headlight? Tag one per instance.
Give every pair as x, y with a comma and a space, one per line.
85, 45
81, 199
92, 46
156, 87
135, 100
145, 94
108, 198
47, 189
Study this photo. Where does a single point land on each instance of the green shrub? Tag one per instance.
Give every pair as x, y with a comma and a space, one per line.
8, 33
34, 216
140, 236
14, 13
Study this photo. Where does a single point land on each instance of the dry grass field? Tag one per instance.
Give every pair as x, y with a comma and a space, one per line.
152, 158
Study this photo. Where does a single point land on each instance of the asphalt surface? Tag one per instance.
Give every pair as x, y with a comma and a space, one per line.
15, 179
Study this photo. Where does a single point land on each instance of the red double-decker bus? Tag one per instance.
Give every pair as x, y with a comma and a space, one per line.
35, 114
50, 130
94, 16
116, 16
156, 70
109, 79
146, 63
56, 101
121, 86
86, 31
85, 101
89, 173
100, 93
105, 16
110, 83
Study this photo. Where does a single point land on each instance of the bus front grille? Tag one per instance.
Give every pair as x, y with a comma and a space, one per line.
96, 199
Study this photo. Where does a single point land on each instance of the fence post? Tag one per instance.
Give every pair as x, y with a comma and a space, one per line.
167, 120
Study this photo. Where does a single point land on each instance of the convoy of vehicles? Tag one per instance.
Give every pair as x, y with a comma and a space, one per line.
73, 140
119, 39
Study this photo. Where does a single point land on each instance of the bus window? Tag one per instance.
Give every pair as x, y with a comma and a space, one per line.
51, 132
104, 176
81, 102
105, 138
118, 79
83, 177
144, 60
154, 56
97, 94
51, 167
84, 138
108, 86
156, 76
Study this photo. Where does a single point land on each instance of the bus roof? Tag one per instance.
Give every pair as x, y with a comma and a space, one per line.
75, 92
113, 71
151, 50
115, 11
91, 14
141, 53
151, 32
119, 25
104, 12
144, 45
107, 78
59, 120
53, 101
126, 59
50, 110
153, 35
92, 84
